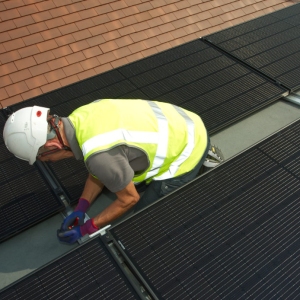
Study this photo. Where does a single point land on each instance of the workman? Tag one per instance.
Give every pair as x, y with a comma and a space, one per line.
124, 143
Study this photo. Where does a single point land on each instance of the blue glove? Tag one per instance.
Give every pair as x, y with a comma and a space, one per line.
69, 236
74, 219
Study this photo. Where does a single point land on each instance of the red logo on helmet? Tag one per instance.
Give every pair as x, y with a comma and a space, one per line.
38, 113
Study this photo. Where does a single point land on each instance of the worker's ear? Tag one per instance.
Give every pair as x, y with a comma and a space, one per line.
53, 143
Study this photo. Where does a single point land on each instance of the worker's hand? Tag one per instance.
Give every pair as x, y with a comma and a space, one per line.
74, 219
69, 236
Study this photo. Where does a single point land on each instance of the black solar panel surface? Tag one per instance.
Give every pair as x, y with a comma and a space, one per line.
231, 234
270, 44
25, 198
85, 273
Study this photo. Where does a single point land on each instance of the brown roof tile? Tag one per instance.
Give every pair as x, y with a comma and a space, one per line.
16, 88
32, 93
5, 80
32, 39
48, 44
9, 56
39, 69
20, 75
23, 21
50, 87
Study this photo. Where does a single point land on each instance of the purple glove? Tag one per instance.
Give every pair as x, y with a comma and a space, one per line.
76, 217
72, 235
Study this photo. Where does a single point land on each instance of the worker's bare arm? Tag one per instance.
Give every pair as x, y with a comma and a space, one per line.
92, 188
126, 199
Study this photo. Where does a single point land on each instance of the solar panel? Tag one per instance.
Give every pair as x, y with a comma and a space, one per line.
270, 44
204, 80
25, 197
230, 234
88, 272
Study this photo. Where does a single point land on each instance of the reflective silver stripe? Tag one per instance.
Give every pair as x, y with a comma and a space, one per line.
117, 135
187, 150
163, 139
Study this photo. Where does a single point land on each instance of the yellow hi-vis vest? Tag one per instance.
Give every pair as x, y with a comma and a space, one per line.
174, 139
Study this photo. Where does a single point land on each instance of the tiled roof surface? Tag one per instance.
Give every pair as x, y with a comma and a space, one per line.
46, 45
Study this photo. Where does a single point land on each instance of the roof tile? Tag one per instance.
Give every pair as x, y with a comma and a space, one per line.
68, 28
32, 93
5, 80
69, 80
57, 63
58, 12
106, 58
27, 10
36, 81
37, 27
92, 3
103, 68
33, 39
118, 5
62, 2
55, 22
139, 36
47, 45
62, 51
9, 56
80, 45
97, 30
73, 69
75, 7
45, 5
89, 63
54, 75
4, 37
43, 57
7, 26
81, 35
50, 87
84, 24
39, 69
50, 34
86, 74
65, 40
3, 95
23, 21
11, 101
14, 44
71, 18
91, 52
75, 57
121, 52
20, 75
119, 62
95, 40
16, 88
87, 14
9, 14
25, 63
100, 19
12, 4
108, 46
103, 9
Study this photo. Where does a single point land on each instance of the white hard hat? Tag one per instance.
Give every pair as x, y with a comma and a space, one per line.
25, 132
